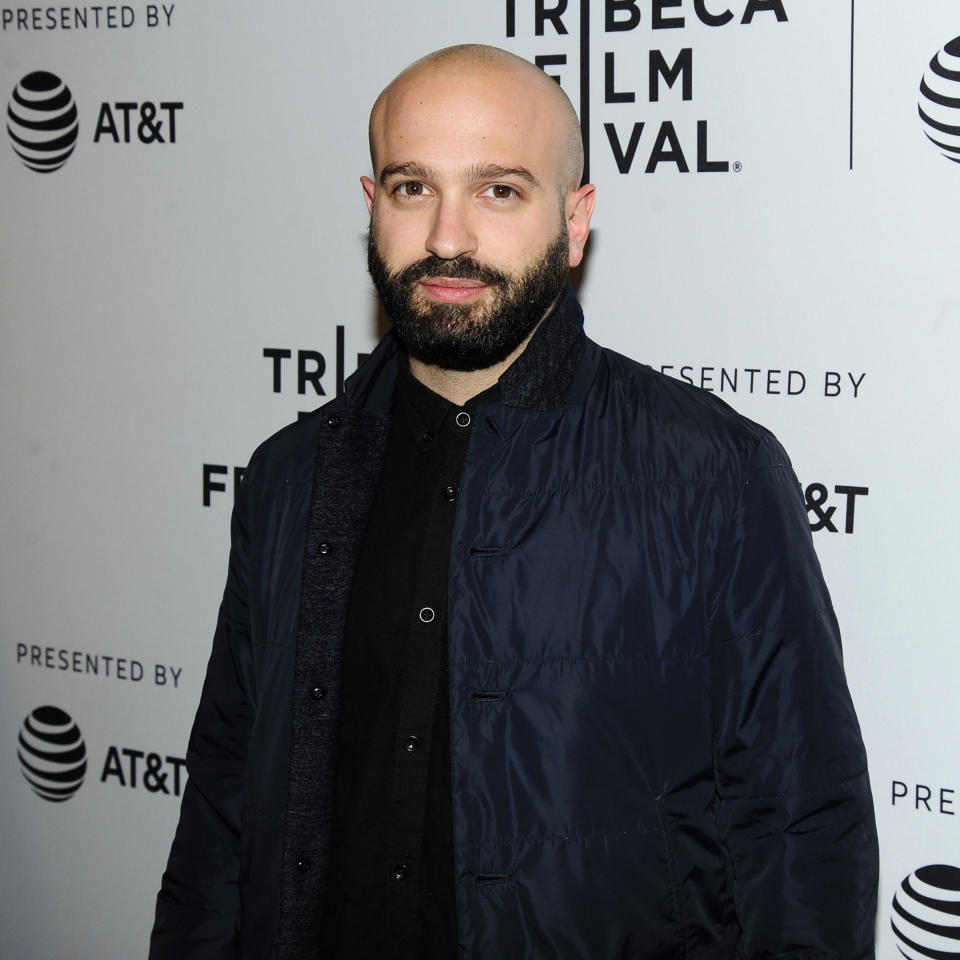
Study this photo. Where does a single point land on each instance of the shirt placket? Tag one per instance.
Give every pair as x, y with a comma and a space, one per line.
426, 658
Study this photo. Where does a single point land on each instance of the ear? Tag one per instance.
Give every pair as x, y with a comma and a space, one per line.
368, 188
578, 208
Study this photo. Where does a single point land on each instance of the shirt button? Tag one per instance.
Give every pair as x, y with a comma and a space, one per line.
318, 693
410, 744
400, 871
463, 419
427, 614
303, 865
450, 493
323, 548
427, 437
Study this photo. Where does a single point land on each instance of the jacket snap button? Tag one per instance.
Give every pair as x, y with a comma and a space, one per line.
400, 871
450, 493
303, 865
410, 744
318, 693
427, 437
333, 422
427, 614
463, 419
323, 548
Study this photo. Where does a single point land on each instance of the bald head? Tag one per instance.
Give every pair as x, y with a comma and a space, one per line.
529, 97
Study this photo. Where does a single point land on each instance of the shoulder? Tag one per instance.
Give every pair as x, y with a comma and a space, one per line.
687, 426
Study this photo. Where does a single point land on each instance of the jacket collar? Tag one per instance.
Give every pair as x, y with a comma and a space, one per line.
543, 377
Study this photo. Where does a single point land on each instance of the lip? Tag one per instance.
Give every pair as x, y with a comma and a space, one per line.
452, 289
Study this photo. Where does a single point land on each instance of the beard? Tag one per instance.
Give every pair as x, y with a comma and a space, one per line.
470, 336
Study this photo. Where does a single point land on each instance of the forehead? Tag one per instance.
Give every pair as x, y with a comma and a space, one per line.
459, 121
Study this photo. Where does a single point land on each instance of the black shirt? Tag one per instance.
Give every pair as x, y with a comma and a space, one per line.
391, 887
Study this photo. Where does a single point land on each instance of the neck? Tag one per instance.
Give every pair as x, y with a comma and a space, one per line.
459, 386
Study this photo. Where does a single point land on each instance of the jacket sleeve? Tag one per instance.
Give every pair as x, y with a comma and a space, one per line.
795, 805
198, 903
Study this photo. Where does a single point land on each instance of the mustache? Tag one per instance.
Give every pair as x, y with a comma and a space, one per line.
462, 267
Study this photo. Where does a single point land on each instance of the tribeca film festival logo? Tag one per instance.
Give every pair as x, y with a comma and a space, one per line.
680, 143
940, 100
53, 756
926, 913
53, 759
43, 121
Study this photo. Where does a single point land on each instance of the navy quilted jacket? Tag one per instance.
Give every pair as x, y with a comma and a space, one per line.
654, 752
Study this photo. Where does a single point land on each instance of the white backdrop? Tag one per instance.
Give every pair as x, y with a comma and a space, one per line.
143, 281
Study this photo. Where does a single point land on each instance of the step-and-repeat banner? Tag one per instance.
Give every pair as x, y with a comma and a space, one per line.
182, 267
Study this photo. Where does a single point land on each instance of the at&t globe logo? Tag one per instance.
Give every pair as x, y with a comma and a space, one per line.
42, 121
926, 913
940, 100
53, 756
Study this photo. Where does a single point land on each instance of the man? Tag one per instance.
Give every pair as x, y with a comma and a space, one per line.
524, 650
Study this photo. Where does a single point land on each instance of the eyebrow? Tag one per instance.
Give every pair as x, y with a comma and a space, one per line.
493, 171
480, 171
406, 168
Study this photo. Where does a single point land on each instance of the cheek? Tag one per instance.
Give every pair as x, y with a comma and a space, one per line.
513, 250
507, 242
401, 240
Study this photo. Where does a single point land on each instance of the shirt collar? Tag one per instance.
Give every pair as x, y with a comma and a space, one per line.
428, 411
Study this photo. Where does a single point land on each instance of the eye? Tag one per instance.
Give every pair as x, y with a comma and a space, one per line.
500, 191
411, 188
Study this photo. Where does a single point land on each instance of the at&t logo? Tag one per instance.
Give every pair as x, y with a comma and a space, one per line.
823, 517
42, 121
926, 913
940, 100
53, 756
53, 759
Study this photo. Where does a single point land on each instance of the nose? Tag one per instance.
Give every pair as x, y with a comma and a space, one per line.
451, 233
